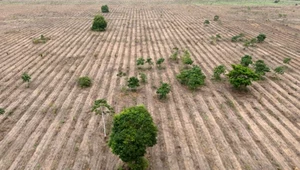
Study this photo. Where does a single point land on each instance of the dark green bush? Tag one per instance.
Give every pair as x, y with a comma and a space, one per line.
99, 23
186, 58
237, 37
246, 60
159, 62
84, 82
192, 77
287, 60
218, 71
241, 76
279, 70
2, 111
133, 131
133, 83
104, 9
206, 22
163, 90
261, 68
261, 38
26, 78
216, 18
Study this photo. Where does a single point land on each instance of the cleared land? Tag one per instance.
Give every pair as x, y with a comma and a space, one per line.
50, 125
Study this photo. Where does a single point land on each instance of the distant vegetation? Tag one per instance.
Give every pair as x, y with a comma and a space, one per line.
104, 9
40, 40
99, 23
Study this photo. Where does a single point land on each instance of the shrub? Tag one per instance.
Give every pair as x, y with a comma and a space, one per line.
121, 74
163, 90
261, 38
215, 39
218, 71
186, 58
206, 22
159, 62
2, 111
133, 131
143, 77
250, 43
261, 68
140, 61
104, 9
216, 18
237, 37
42, 40
26, 78
84, 82
241, 76
192, 77
133, 83
149, 61
287, 60
279, 70
246, 60
99, 23
174, 55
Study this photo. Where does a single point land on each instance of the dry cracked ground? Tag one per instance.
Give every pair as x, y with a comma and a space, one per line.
50, 124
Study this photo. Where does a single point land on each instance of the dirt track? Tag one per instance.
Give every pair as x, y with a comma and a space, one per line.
50, 126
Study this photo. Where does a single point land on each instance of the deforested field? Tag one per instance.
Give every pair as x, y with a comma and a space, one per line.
50, 124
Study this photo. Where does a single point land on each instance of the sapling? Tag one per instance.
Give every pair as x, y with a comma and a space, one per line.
26, 78
133, 83
143, 77
237, 37
241, 76
246, 60
102, 107
261, 68
261, 38
163, 90
218, 71
2, 111
216, 18
104, 9
287, 60
186, 58
192, 77
99, 23
279, 70
159, 62
140, 62
206, 22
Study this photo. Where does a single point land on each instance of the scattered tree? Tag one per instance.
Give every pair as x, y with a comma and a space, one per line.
26, 78
218, 71
246, 60
2, 111
149, 61
99, 23
250, 43
140, 62
192, 77
261, 68
163, 90
206, 22
237, 38
241, 76
104, 9
279, 70
143, 77
84, 82
261, 38
287, 60
186, 58
159, 62
133, 83
102, 107
133, 131
216, 18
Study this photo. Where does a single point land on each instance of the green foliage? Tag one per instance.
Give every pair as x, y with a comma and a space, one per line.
133, 131
218, 71
261, 38
121, 74
149, 61
143, 77
216, 18
159, 62
163, 90
140, 61
174, 55
261, 68
250, 43
246, 60
84, 82
241, 76
206, 22
238, 37
140, 164
100, 104
287, 60
192, 77
99, 23
41, 40
104, 9
2, 111
279, 70
133, 83
26, 78
186, 58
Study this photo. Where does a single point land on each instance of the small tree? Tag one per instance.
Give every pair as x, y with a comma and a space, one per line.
140, 62
143, 77
26, 78
279, 70
84, 82
2, 111
218, 71
159, 62
261, 38
287, 60
206, 22
163, 90
104, 9
238, 37
133, 83
149, 61
241, 76
192, 77
174, 55
216, 18
133, 131
99, 23
261, 68
186, 58
246, 60
102, 107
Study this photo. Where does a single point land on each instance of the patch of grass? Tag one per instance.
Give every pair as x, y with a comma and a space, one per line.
40, 40
84, 82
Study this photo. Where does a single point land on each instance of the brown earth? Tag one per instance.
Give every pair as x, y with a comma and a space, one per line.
50, 126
